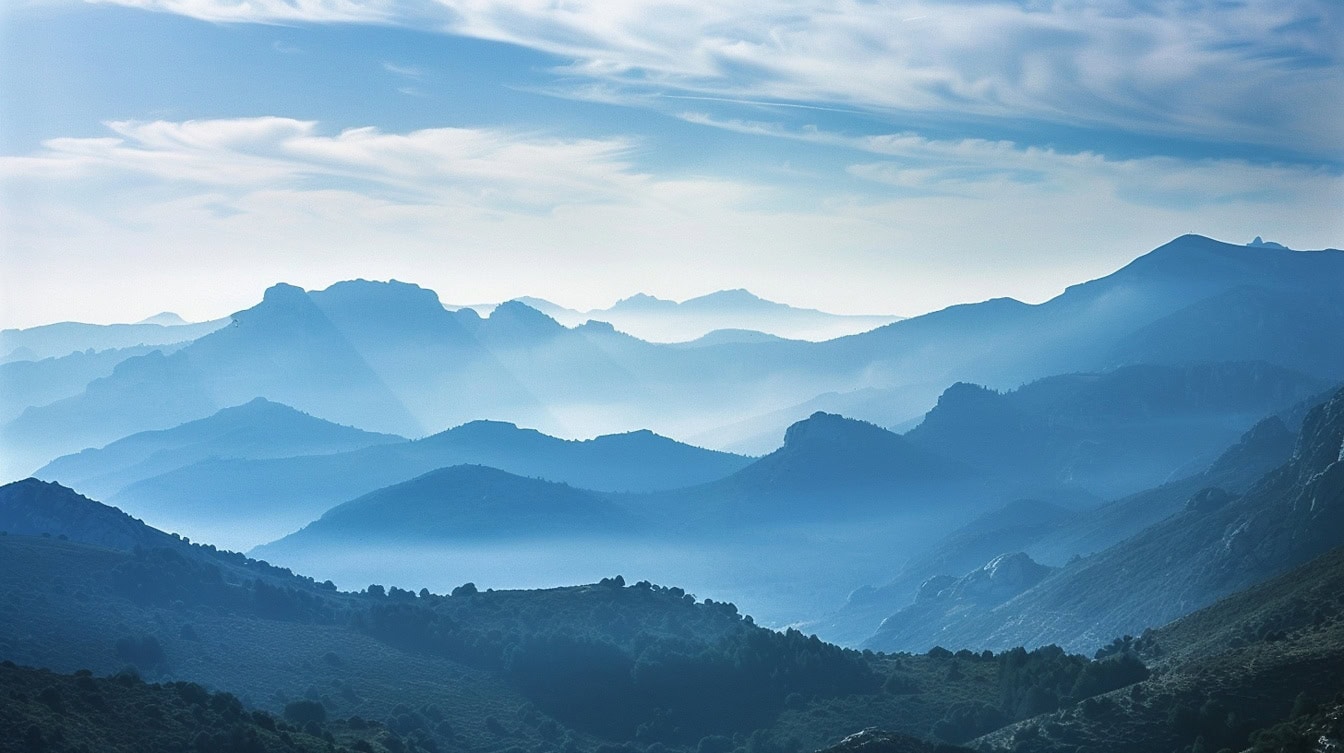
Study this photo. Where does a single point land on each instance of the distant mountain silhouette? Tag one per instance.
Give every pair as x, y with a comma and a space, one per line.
661, 320
255, 430
25, 383
164, 319
56, 340
389, 357
270, 496
830, 469
1054, 534
1110, 434
459, 504
39, 508
1220, 543
285, 349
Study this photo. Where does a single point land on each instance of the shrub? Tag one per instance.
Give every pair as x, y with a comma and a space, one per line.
302, 712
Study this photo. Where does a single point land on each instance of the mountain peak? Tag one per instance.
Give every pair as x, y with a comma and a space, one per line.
735, 295
361, 291
283, 292
519, 314
164, 319
642, 302
1262, 243
831, 429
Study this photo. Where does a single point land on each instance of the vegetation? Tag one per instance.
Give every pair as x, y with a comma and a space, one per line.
46, 712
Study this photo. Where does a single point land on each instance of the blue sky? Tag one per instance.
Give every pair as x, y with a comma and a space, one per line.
890, 157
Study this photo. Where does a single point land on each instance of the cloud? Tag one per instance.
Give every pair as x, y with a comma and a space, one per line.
408, 71
201, 215
984, 168
1264, 72
244, 154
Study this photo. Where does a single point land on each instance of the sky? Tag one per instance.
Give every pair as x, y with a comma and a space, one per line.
857, 157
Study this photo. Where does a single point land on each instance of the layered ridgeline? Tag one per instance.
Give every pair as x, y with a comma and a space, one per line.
52, 341
255, 430
233, 478
1054, 530
383, 356
791, 532
567, 668
1258, 671
1109, 434
1221, 542
575, 669
716, 318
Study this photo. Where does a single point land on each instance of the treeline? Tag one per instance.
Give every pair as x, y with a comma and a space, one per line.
47, 712
1035, 682
661, 669
164, 576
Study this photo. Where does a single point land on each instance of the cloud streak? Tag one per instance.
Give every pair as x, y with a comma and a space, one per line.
1260, 72
200, 215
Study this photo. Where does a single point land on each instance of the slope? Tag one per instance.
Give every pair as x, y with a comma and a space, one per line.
256, 429
276, 496
1218, 545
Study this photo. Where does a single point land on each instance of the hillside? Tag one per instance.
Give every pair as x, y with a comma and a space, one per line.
829, 469
1110, 434
47, 711
1252, 671
1055, 532
1219, 544
254, 430
483, 669
244, 501
459, 504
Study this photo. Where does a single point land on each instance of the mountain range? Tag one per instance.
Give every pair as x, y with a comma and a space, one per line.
604, 664
711, 318
397, 352
1221, 542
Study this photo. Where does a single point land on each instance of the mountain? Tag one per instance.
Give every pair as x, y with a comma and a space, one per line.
1053, 532
255, 430
56, 340
1257, 671
244, 501
944, 601
830, 469
461, 504
1000, 530
604, 663
25, 383
660, 320
1113, 433
389, 357
40, 508
285, 349
1222, 542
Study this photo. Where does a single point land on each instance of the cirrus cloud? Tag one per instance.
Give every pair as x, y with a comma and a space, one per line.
200, 215
1263, 72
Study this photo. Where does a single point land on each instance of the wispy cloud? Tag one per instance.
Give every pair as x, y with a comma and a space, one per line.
203, 208
408, 71
1262, 71
251, 153
985, 168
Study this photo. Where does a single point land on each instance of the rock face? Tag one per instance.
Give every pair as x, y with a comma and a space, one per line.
873, 740
944, 600
1216, 546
